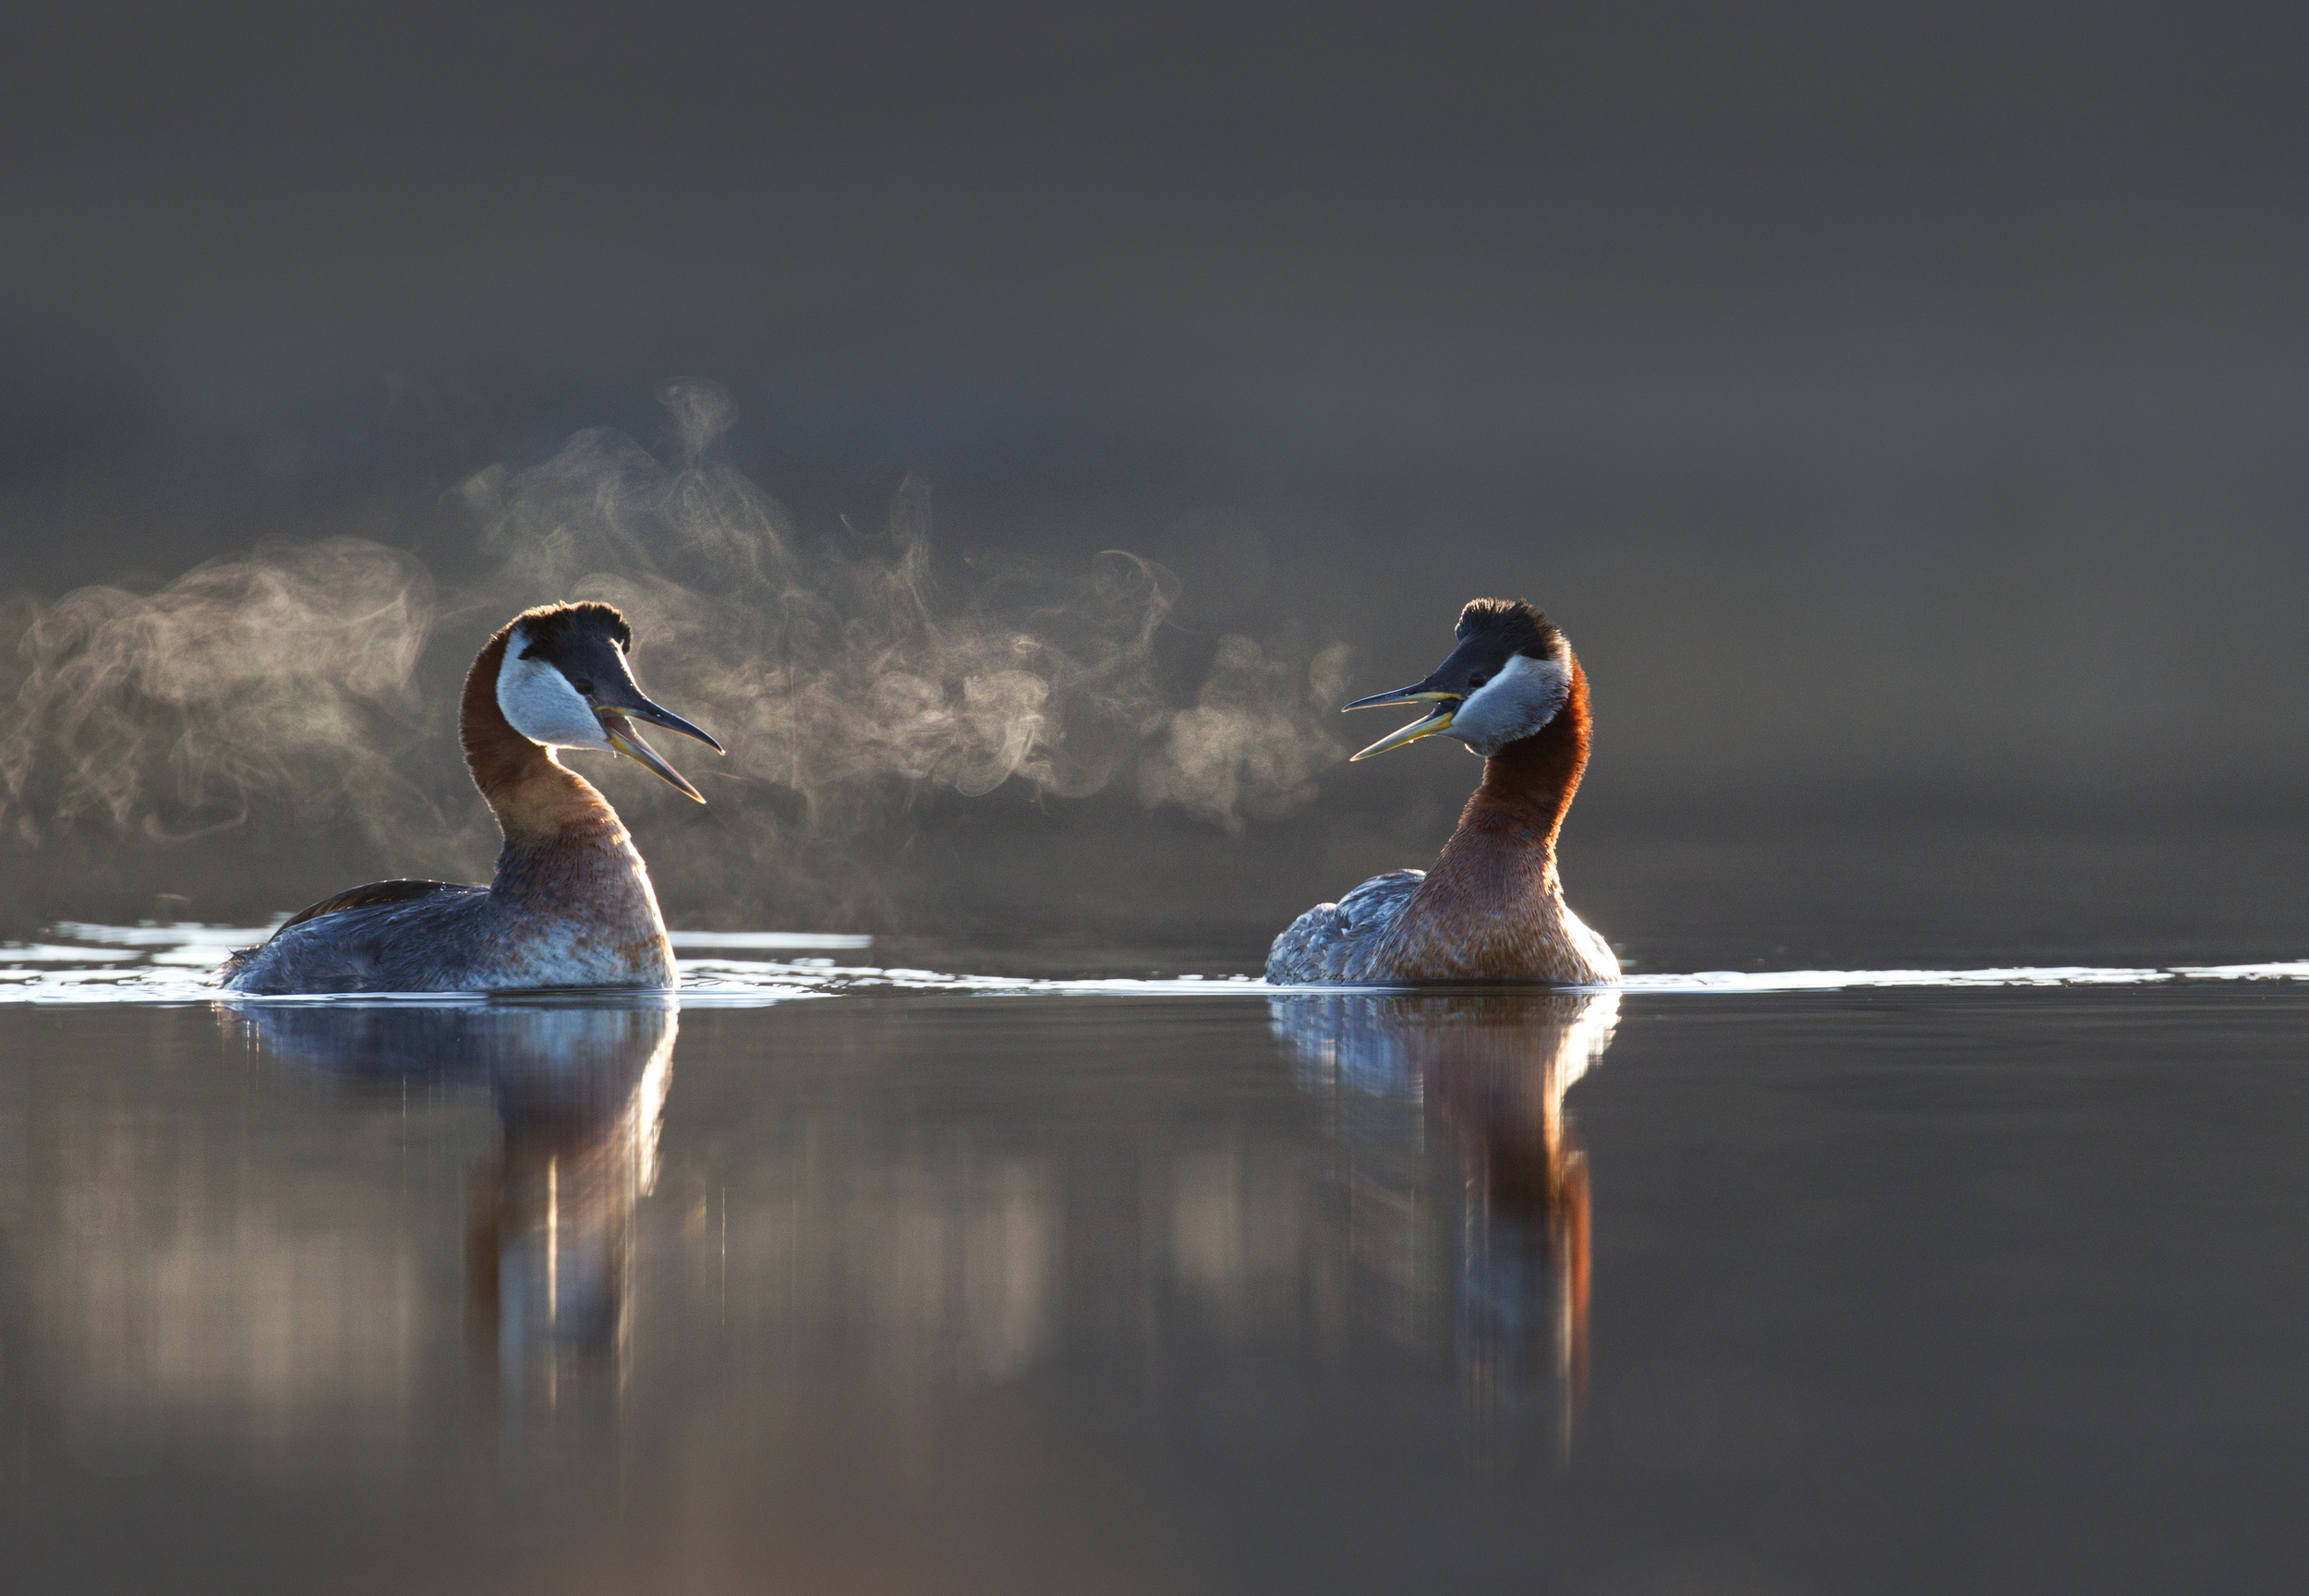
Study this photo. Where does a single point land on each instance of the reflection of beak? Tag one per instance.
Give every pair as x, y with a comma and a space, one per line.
1445, 706
617, 725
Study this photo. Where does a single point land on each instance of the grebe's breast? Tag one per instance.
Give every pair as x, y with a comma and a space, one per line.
580, 911
1493, 908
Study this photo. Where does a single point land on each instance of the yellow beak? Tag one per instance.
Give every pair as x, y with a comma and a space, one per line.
1446, 706
620, 734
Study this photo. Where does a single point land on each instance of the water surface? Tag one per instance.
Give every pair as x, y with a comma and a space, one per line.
937, 1291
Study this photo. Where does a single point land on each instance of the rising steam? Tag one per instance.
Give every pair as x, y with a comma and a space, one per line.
286, 673
837, 670
826, 666
1252, 744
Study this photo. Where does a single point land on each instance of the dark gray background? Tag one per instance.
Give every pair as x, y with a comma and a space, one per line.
1900, 406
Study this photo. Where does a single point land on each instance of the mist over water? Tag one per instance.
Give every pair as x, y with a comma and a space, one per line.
306, 685
287, 674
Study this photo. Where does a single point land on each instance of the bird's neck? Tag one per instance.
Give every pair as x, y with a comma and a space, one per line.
1527, 785
539, 802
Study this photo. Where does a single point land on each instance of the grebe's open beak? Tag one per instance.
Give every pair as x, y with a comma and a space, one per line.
617, 725
1445, 706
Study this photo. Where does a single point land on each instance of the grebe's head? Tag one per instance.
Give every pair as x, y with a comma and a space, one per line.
1509, 675
565, 682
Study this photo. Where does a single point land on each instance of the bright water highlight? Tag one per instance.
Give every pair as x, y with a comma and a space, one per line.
94, 964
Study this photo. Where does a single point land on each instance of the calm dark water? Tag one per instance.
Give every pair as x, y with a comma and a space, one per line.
1886, 1292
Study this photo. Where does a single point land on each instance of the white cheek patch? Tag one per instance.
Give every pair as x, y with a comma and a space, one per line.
1512, 705
543, 707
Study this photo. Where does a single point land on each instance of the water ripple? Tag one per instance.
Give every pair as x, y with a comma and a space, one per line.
85, 963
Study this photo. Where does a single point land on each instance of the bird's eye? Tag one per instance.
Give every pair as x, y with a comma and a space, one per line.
1476, 683
585, 687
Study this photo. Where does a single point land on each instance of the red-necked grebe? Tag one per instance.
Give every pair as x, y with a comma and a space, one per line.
1492, 908
571, 904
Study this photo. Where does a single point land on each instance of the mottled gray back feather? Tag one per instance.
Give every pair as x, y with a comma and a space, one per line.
1325, 943
387, 936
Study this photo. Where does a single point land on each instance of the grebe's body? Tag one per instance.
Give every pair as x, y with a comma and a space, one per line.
1492, 908
571, 904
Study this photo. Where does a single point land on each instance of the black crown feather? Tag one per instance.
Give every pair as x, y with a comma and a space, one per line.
550, 626
1512, 622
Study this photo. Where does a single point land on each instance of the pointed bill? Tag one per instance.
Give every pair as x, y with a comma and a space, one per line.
1434, 723
658, 714
1417, 692
626, 740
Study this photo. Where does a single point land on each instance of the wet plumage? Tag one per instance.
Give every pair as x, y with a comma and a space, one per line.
1492, 908
571, 903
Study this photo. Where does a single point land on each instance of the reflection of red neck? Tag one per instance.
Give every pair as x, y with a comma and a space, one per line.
1532, 1171
534, 796
1528, 784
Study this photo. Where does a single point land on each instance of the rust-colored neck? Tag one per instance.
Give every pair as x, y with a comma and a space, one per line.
535, 797
1528, 784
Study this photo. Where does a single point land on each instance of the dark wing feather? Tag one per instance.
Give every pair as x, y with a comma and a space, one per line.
375, 895
369, 897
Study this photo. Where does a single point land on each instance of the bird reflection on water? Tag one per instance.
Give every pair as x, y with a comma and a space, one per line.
549, 1247
855, 1251
1499, 1272
1493, 1068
